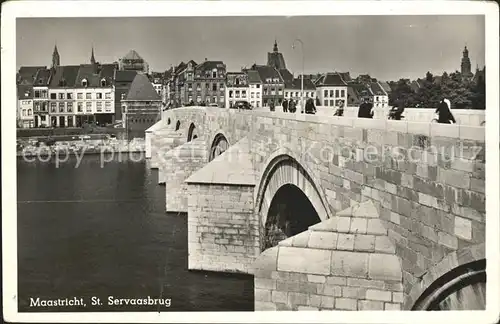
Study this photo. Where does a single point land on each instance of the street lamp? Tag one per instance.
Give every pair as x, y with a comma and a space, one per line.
302, 76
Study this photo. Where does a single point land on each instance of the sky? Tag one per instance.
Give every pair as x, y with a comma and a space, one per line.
386, 47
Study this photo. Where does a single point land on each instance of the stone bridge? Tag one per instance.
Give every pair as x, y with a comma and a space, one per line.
329, 212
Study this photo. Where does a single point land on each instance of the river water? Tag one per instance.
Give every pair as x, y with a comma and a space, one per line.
100, 229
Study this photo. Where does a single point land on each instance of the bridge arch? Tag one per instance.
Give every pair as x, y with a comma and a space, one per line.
288, 190
219, 145
458, 282
192, 133
178, 125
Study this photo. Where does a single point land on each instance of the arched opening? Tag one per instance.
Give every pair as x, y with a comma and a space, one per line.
168, 121
462, 288
190, 132
290, 213
195, 136
178, 125
219, 146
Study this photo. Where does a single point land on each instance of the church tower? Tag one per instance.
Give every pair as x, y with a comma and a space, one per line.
92, 58
56, 60
276, 59
465, 67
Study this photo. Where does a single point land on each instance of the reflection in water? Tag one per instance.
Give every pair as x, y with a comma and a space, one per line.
92, 231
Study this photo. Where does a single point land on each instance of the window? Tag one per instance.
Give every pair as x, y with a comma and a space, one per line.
221, 86
60, 96
214, 86
243, 94
258, 94
37, 105
98, 95
325, 94
331, 93
214, 99
69, 96
99, 106
325, 103
332, 103
257, 86
24, 112
103, 82
252, 95
107, 105
88, 95
107, 95
342, 93
79, 95
237, 94
230, 93
61, 107
44, 94
80, 107
88, 107
53, 96
37, 93
30, 112
69, 107
53, 107
84, 83
214, 73
207, 85
336, 93
190, 87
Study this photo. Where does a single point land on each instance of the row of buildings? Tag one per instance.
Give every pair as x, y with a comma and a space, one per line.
72, 95
93, 93
208, 83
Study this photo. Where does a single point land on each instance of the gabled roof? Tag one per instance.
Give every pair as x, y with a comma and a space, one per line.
67, 73
346, 76
142, 90
286, 75
330, 79
107, 71
28, 73
253, 77
361, 90
180, 67
295, 84
209, 65
268, 72
132, 55
385, 86
125, 76
24, 92
42, 78
377, 89
86, 72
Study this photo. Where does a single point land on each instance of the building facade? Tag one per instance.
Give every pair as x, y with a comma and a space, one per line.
293, 89
133, 62
254, 88
331, 90
237, 88
122, 82
25, 115
71, 95
141, 107
465, 66
273, 85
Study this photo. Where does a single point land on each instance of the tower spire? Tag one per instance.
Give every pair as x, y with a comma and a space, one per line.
92, 58
275, 48
56, 59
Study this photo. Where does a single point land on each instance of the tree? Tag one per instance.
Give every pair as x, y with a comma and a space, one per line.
429, 77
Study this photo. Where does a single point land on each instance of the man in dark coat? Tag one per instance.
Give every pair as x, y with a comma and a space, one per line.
310, 108
271, 106
285, 105
444, 113
292, 106
365, 109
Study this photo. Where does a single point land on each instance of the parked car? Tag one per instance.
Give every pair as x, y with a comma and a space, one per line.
243, 105
213, 105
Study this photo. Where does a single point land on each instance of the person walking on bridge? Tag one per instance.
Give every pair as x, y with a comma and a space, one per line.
292, 106
444, 113
365, 109
285, 105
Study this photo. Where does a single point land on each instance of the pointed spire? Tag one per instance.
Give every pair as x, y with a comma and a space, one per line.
275, 48
92, 58
56, 59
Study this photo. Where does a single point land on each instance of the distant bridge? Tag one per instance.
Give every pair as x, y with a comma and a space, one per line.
329, 212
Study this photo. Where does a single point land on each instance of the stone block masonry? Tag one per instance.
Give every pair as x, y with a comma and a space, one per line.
223, 232
179, 163
318, 270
